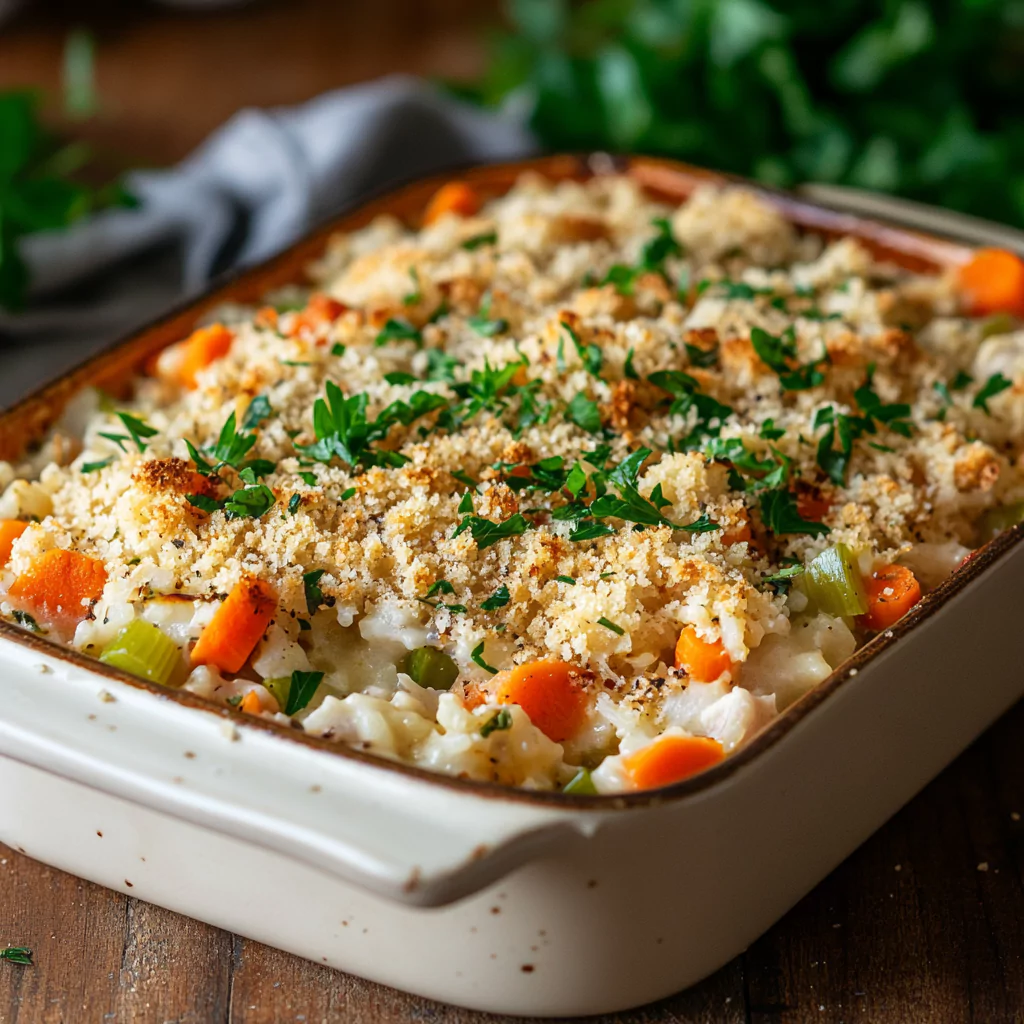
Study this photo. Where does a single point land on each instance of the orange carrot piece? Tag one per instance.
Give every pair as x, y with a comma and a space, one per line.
813, 506
203, 347
671, 759
456, 197
10, 531
59, 585
237, 626
703, 660
321, 309
739, 533
552, 695
251, 703
992, 281
892, 590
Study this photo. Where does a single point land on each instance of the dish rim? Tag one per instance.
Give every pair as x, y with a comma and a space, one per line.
672, 179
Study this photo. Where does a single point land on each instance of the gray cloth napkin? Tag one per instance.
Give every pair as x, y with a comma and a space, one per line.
256, 185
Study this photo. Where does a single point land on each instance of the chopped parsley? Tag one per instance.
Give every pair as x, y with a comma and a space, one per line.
486, 238
478, 656
782, 580
995, 385
414, 297
686, 395
652, 258
302, 690
349, 492
498, 599
441, 587
487, 532
337, 349
259, 410
608, 624
93, 467
252, 502
780, 515
22, 954
769, 431
585, 413
778, 353
400, 377
566, 579
308, 478
590, 354
314, 595
628, 371
397, 330
482, 322
702, 358
27, 621
498, 722
137, 431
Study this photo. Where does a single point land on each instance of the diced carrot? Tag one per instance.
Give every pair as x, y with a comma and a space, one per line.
552, 695
266, 316
251, 703
992, 281
739, 533
203, 347
813, 506
892, 590
59, 585
237, 626
321, 309
10, 531
473, 695
456, 197
671, 758
703, 660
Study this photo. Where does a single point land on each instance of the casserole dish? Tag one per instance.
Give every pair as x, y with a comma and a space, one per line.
184, 802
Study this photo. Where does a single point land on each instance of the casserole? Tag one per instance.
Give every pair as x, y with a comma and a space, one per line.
448, 841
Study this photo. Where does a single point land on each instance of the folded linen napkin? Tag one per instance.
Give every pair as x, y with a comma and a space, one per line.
257, 184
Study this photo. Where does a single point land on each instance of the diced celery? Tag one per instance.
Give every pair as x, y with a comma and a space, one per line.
581, 784
143, 650
833, 583
281, 688
995, 520
430, 667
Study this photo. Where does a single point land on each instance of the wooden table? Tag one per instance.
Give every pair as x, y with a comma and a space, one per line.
924, 924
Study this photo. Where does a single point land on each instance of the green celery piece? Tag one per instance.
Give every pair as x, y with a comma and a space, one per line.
142, 649
581, 784
280, 687
995, 520
430, 667
834, 584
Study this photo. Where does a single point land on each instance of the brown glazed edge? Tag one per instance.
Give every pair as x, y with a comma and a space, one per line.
26, 422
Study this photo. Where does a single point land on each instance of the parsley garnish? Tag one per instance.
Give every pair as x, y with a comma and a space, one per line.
416, 295
293, 503
498, 599
400, 377
482, 322
996, 384
566, 579
230, 449
485, 531
780, 515
783, 579
302, 690
608, 624
686, 396
259, 410
308, 478
498, 722
349, 492
93, 467
253, 502
769, 431
314, 595
478, 656
137, 430
590, 354
487, 238
584, 413
397, 330
27, 621
337, 349
441, 366
652, 258
22, 954
441, 587
779, 354
703, 358
628, 370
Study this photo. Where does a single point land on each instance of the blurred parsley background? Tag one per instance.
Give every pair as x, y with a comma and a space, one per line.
920, 99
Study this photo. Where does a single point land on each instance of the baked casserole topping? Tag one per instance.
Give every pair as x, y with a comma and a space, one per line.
568, 489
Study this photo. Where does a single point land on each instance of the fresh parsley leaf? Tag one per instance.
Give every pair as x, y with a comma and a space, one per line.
628, 370
960, 381
482, 322
778, 353
622, 277
486, 238
584, 413
308, 478
259, 410
588, 529
27, 621
703, 358
590, 354
252, 502
780, 515
770, 432
137, 430
498, 722
302, 690
487, 532
93, 467
478, 656
498, 599
659, 248
566, 579
397, 330
337, 349
416, 295
608, 624
349, 492
314, 595
22, 954
995, 385
441, 366
439, 587
204, 503
788, 572
400, 377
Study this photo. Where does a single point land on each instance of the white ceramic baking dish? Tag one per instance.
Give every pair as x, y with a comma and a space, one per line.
481, 896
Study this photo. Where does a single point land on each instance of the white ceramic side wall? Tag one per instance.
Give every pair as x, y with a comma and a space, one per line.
605, 922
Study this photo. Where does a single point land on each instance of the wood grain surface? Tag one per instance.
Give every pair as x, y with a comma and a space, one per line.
924, 924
